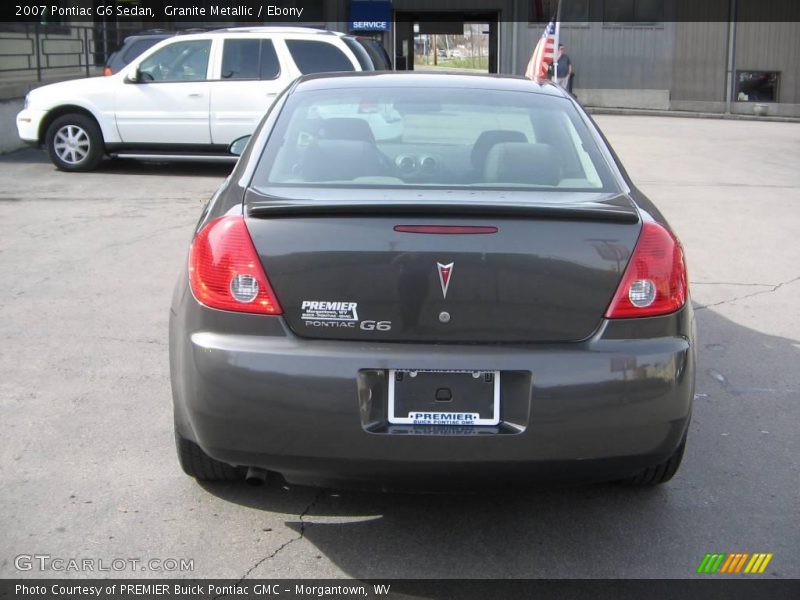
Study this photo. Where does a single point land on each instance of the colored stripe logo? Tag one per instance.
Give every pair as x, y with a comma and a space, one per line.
737, 562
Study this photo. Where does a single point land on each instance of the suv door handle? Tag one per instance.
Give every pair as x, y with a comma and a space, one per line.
270, 94
195, 95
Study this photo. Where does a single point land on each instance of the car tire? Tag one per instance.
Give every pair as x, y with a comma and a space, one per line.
75, 143
200, 465
660, 473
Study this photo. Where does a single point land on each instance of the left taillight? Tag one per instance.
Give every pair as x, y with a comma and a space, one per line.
225, 271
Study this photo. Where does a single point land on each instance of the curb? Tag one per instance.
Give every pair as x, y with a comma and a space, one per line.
645, 112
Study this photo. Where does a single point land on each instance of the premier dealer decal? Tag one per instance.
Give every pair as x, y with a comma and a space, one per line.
324, 313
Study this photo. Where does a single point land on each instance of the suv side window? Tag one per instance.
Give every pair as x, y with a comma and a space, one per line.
270, 65
318, 57
249, 59
180, 61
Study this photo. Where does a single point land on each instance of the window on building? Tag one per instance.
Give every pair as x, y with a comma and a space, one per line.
318, 57
757, 86
575, 11
627, 11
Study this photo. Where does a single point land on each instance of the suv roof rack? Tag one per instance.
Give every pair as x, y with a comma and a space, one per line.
275, 29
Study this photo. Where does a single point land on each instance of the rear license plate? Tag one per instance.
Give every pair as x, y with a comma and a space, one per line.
428, 397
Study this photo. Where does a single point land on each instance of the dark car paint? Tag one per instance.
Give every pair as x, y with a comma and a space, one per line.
250, 391
534, 280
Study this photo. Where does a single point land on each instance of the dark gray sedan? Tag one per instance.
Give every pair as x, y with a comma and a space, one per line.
422, 279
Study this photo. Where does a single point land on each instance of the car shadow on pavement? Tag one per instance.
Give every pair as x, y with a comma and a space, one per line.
730, 492
161, 169
130, 167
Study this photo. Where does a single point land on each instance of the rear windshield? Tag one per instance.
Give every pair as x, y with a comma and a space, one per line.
399, 137
312, 56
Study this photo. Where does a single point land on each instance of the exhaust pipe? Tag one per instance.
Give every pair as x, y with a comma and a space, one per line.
255, 476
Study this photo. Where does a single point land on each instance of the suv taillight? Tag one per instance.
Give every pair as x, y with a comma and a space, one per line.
654, 282
225, 272
107, 71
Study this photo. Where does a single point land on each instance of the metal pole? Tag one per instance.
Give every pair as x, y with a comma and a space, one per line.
731, 73
513, 25
555, 45
86, 49
38, 53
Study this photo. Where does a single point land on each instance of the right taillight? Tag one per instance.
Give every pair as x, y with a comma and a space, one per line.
107, 71
654, 282
225, 271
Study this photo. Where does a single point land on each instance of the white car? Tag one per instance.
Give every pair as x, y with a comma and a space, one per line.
189, 96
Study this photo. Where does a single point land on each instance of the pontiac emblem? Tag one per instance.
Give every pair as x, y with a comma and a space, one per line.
445, 274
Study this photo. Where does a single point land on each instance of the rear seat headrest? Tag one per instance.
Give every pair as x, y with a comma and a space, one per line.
341, 128
517, 162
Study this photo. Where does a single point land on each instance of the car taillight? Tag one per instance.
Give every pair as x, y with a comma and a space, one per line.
107, 71
654, 283
225, 272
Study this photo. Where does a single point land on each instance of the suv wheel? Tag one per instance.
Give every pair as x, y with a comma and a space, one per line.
74, 143
200, 465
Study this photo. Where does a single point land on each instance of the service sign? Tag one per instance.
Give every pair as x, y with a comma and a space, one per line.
366, 15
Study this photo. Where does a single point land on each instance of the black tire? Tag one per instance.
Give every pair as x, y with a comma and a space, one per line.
200, 465
75, 143
660, 473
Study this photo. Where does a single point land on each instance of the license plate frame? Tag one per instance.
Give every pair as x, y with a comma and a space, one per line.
475, 420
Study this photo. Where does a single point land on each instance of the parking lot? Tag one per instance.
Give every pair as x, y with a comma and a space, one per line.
88, 464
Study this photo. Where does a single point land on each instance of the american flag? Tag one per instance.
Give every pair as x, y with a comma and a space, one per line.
544, 53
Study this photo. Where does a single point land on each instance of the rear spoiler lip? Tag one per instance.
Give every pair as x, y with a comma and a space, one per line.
583, 212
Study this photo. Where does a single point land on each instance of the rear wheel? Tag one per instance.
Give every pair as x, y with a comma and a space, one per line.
200, 465
75, 143
660, 473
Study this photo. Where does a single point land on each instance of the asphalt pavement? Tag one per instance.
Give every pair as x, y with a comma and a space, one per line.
87, 459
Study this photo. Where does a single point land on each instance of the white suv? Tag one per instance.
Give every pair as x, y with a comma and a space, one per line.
187, 97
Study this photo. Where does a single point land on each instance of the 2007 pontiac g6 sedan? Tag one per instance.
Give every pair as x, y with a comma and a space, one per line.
415, 279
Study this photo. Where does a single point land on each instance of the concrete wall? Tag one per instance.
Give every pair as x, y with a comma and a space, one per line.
699, 69
771, 46
8, 128
617, 98
614, 56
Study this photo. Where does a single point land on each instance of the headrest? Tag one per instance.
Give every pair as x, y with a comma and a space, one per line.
515, 162
487, 139
346, 129
340, 160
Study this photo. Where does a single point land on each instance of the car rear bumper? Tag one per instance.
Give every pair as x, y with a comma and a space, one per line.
250, 392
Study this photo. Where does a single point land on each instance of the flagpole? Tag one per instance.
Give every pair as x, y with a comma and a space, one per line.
557, 41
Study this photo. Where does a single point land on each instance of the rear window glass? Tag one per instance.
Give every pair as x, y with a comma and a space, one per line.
377, 53
362, 56
318, 57
137, 47
249, 59
401, 137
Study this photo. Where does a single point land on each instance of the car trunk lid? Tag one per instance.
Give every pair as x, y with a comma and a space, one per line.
523, 268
